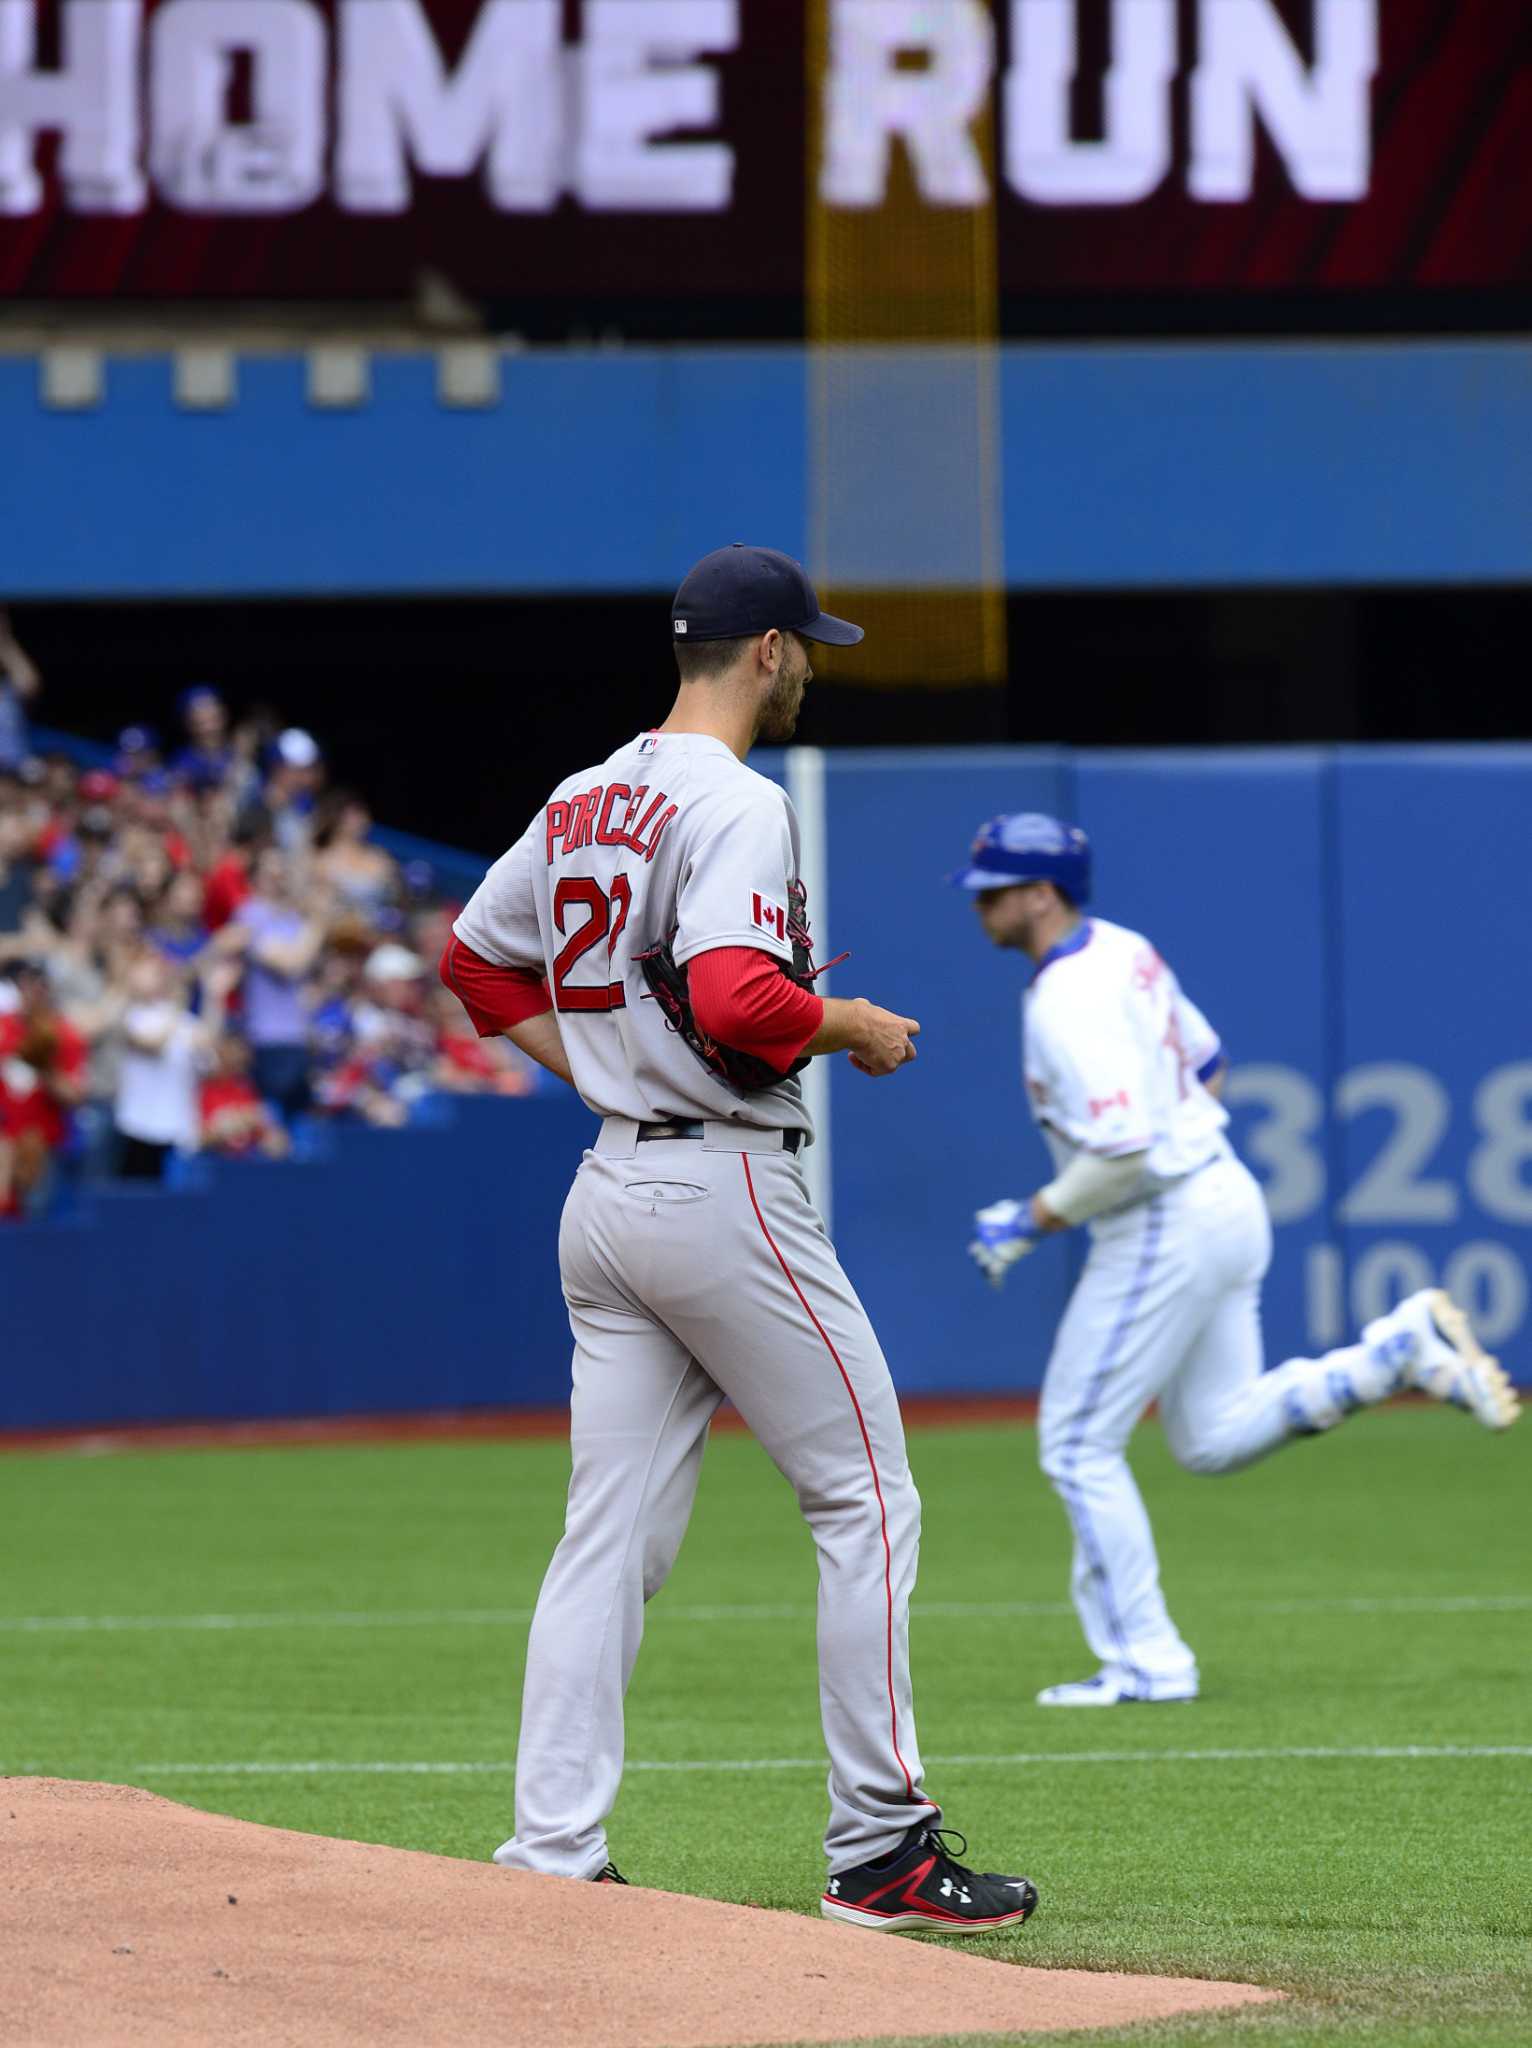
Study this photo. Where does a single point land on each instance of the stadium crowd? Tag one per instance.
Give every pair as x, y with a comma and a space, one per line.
202, 948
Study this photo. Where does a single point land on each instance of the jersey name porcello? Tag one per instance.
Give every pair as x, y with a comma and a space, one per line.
591, 818
671, 838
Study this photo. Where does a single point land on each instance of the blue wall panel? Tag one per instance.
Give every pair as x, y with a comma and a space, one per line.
403, 1271
609, 471
1267, 462
1434, 1121
916, 1153
1222, 861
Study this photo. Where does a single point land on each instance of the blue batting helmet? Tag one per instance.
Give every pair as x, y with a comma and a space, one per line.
1028, 846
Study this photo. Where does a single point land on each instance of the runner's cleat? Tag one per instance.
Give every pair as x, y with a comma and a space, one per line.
1430, 1340
922, 1886
1117, 1689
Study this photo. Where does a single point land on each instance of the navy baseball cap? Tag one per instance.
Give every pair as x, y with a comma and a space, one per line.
737, 591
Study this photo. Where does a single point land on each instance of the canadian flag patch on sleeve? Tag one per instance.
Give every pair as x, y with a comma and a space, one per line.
769, 917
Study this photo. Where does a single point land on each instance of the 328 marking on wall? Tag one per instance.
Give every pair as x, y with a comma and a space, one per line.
1294, 1148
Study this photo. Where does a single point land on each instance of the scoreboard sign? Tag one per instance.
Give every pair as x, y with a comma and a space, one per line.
660, 148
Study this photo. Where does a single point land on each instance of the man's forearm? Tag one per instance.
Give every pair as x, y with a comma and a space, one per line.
16, 665
842, 1027
1089, 1185
879, 1041
538, 1037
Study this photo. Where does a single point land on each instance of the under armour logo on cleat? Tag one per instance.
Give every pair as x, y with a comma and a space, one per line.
835, 1887
949, 1889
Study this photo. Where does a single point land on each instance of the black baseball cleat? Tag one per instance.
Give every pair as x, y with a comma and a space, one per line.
611, 1875
922, 1885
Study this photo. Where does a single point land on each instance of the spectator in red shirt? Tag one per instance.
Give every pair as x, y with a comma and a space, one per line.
43, 1079
228, 882
235, 1121
468, 1064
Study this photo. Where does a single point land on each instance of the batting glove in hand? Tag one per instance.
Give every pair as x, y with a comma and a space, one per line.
1006, 1233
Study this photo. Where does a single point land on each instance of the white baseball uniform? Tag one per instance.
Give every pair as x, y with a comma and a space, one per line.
693, 1269
1168, 1305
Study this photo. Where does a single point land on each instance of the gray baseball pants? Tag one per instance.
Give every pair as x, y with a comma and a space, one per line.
695, 1270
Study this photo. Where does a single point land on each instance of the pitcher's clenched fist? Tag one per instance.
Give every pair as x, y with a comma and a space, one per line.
879, 1041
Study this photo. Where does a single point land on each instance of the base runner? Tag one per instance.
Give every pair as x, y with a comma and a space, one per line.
1123, 1073
646, 940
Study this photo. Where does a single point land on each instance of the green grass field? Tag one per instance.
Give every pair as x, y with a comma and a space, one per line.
331, 1639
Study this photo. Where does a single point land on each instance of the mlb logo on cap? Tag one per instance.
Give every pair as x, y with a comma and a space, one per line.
736, 592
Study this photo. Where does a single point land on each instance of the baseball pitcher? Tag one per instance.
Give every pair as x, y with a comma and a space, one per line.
1123, 1074
646, 939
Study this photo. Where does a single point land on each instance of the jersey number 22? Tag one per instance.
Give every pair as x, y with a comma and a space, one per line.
605, 917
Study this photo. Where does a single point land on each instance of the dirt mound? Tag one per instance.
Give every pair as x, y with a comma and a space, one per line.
127, 1919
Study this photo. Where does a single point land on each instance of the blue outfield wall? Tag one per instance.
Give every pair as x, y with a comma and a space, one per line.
403, 1270
1121, 467
1354, 922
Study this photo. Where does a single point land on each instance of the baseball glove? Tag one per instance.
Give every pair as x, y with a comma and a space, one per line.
670, 987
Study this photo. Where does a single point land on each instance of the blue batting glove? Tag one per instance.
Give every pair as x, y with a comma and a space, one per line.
1006, 1233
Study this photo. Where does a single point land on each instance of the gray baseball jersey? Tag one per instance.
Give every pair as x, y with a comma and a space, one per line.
672, 834
694, 1270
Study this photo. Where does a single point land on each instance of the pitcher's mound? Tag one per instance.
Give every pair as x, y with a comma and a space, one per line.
126, 1918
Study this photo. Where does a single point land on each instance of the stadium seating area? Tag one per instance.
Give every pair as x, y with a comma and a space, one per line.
204, 949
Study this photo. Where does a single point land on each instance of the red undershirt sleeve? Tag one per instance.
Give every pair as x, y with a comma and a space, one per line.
741, 997
494, 997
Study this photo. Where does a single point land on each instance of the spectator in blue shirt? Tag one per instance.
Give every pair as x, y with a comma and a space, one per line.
138, 753
207, 761
177, 928
284, 938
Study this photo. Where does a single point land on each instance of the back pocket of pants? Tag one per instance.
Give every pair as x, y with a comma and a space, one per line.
654, 1192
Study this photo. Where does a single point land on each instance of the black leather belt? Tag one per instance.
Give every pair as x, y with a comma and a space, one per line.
678, 1128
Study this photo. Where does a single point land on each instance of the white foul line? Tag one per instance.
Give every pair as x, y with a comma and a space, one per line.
519, 1617
1413, 1752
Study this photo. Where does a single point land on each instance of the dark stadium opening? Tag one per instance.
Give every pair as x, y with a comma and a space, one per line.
455, 716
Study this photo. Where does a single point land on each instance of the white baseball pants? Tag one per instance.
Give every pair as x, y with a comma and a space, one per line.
695, 1270
1168, 1309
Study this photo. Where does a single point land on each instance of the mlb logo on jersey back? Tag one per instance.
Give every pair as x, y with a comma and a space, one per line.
771, 917
649, 743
